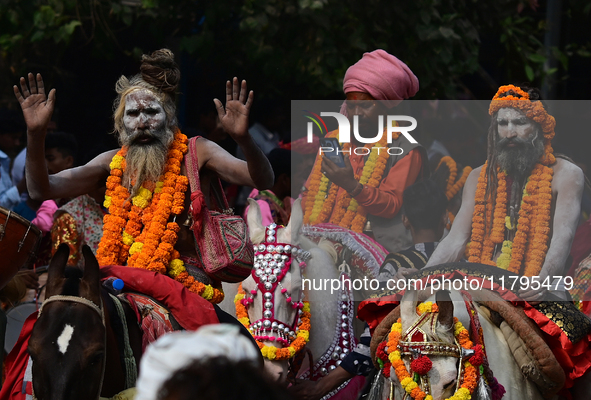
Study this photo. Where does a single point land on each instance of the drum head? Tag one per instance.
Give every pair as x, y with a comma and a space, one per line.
19, 240
15, 319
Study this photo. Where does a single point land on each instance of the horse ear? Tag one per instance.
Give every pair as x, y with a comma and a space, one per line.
92, 275
296, 219
55, 272
254, 220
408, 308
446, 309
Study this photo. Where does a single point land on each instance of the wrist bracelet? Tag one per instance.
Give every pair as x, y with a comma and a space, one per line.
356, 191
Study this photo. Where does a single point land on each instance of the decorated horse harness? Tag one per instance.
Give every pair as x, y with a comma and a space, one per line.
272, 262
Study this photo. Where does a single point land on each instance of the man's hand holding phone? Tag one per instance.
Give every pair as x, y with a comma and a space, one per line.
343, 177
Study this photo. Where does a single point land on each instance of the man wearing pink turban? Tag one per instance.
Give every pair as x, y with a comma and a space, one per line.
377, 76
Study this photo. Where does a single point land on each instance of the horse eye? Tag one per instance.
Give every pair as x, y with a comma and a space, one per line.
96, 358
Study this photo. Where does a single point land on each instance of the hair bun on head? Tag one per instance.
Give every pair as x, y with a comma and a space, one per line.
160, 70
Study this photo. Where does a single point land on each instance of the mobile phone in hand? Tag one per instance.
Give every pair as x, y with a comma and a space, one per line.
332, 150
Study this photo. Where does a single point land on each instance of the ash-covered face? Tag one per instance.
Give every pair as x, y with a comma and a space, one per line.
147, 137
520, 144
144, 117
513, 123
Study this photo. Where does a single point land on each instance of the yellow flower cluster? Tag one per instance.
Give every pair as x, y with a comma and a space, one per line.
424, 307
505, 257
142, 199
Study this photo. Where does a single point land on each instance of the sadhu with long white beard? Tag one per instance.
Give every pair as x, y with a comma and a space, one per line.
141, 231
519, 212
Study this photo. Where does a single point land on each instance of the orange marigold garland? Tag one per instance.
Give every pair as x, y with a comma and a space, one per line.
478, 228
455, 188
137, 231
322, 203
453, 171
390, 357
526, 252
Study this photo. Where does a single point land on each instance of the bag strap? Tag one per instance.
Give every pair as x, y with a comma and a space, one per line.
192, 163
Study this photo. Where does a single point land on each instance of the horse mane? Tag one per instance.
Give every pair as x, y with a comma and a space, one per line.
72, 284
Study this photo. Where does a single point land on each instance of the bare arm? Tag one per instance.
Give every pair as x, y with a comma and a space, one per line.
37, 110
453, 246
568, 182
228, 167
256, 171
75, 181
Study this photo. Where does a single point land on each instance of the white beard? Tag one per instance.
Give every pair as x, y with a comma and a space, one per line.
145, 162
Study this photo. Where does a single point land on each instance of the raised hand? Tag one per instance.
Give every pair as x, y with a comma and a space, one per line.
234, 117
37, 107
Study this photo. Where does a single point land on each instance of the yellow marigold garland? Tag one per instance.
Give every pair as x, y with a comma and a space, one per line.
273, 353
346, 212
137, 232
470, 377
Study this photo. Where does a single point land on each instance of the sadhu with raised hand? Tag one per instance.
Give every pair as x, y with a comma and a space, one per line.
151, 160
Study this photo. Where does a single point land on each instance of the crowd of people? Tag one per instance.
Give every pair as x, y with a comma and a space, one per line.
137, 206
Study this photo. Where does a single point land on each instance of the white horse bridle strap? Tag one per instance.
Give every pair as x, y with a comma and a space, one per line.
73, 299
86, 302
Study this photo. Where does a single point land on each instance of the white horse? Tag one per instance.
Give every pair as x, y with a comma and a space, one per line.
444, 373
331, 333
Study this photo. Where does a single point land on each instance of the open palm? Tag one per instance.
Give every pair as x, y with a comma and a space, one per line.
37, 107
234, 117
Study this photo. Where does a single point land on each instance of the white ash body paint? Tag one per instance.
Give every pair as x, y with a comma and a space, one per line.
64, 338
144, 109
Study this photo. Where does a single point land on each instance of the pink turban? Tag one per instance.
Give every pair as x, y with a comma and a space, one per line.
383, 76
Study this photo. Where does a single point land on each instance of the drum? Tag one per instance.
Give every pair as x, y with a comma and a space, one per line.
19, 240
15, 319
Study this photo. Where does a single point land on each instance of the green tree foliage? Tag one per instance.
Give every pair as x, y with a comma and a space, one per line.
291, 48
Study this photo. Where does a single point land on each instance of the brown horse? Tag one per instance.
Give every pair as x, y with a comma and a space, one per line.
75, 351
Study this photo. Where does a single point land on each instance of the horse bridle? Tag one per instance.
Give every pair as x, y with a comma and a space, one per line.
272, 262
94, 307
430, 345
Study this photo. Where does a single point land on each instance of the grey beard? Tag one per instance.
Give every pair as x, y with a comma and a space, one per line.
520, 160
145, 162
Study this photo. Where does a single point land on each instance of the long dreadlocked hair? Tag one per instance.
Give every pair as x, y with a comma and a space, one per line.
161, 76
492, 181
